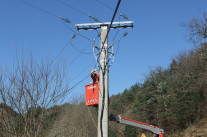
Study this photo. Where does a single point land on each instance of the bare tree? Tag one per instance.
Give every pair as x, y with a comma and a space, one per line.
26, 93
197, 29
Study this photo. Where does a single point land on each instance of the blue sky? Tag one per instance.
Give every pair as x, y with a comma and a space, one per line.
155, 39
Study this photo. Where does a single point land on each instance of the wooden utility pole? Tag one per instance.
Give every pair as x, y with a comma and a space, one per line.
104, 81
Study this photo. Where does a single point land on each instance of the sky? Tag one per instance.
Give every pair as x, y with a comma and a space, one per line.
156, 38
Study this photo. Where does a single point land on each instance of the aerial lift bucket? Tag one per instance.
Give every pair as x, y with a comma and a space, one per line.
91, 94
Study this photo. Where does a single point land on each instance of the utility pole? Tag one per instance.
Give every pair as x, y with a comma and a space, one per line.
104, 85
104, 81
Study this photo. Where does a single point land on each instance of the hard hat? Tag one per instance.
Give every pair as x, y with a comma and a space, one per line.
94, 71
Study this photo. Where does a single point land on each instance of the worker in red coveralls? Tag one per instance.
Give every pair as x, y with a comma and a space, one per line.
95, 76
95, 79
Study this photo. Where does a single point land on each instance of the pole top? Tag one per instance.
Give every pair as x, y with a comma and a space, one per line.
93, 26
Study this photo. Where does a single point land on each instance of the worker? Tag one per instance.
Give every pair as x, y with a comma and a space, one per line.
95, 76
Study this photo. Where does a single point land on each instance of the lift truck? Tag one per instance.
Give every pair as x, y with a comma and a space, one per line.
91, 99
155, 130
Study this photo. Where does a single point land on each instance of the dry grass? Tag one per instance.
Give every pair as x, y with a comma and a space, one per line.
198, 129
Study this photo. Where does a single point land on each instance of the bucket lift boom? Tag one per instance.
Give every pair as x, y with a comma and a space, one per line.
157, 131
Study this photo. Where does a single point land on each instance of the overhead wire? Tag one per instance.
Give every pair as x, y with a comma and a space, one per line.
95, 29
109, 28
124, 35
81, 52
73, 60
65, 20
68, 5
60, 52
107, 6
92, 117
68, 21
76, 32
59, 17
84, 69
81, 12
112, 47
45, 11
79, 82
118, 45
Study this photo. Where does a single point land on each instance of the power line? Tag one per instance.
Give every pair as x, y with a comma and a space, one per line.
85, 68
45, 11
112, 20
68, 21
79, 82
81, 12
107, 6
92, 116
110, 26
75, 32
81, 52
60, 52
124, 35
73, 60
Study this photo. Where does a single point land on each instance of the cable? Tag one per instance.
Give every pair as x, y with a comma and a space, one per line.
120, 14
92, 117
73, 60
81, 52
63, 20
112, 51
79, 82
75, 32
47, 12
94, 46
109, 28
81, 12
124, 35
117, 31
85, 68
93, 25
59, 52
112, 20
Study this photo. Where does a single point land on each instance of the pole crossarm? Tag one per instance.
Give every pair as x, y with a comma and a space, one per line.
94, 26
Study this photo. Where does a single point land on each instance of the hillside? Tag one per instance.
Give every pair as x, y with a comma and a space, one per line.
173, 98
198, 129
